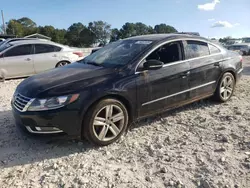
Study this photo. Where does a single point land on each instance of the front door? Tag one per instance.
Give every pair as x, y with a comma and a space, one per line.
166, 87
205, 68
18, 61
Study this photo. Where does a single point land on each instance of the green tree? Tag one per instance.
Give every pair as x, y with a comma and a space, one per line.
27, 22
128, 30
87, 37
134, 29
163, 28
59, 36
102, 31
29, 26
47, 30
225, 40
15, 28
142, 29
115, 35
73, 34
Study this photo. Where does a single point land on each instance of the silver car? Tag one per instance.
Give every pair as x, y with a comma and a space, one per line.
26, 58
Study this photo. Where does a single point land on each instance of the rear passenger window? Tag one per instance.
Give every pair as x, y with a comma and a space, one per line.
45, 48
196, 49
213, 49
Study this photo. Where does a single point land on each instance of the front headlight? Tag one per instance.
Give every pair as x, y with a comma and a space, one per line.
52, 103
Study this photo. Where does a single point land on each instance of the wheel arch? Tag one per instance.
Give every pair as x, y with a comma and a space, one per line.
118, 97
62, 61
115, 96
230, 70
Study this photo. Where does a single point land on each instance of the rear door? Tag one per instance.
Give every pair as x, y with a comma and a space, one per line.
46, 57
205, 68
18, 61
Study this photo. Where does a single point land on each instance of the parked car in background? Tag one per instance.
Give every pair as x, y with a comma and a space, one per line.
246, 40
6, 41
98, 97
27, 57
242, 48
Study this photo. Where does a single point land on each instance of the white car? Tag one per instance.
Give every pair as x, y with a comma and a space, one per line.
29, 57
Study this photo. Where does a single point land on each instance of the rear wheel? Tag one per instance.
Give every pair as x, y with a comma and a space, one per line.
225, 87
105, 122
62, 63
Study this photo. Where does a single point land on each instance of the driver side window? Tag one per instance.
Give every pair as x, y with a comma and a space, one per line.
168, 53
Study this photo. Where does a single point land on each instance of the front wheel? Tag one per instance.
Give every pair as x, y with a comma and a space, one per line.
225, 87
105, 122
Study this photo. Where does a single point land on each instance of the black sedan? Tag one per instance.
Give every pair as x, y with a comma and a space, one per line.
101, 95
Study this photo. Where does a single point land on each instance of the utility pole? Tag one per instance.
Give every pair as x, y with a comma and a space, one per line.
4, 28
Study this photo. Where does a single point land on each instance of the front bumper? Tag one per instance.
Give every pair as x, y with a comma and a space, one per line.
49, 122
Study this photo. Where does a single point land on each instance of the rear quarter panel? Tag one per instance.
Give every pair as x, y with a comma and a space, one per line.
232, 62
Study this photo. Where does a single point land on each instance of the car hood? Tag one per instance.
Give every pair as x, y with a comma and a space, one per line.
69, 75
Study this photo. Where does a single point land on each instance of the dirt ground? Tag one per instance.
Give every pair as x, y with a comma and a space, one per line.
204, 144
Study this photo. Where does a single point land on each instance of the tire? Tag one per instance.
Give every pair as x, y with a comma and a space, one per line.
106, 130
62, 63
225, 88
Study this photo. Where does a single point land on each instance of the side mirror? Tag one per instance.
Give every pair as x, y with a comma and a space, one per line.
153, 65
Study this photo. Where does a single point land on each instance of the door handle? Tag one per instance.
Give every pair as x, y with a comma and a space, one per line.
217, 64
28, 59
54, 55
184, 75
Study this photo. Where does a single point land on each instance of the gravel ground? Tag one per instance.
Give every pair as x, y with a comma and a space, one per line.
204, 144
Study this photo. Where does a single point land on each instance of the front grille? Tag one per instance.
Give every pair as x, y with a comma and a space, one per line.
21, 102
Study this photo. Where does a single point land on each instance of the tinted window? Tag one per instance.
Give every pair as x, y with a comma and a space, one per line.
4, 46
213, 49
45, 48
196, 49
19, 50
167, 53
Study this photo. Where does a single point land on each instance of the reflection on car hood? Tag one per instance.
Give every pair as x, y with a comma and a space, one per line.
57, 77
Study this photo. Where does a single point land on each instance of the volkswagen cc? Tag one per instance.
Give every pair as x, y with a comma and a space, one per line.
100, 96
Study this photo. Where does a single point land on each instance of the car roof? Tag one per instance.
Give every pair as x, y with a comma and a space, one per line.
20, 42
160, 37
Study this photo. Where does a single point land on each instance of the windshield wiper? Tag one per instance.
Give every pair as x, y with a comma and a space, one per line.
94, 63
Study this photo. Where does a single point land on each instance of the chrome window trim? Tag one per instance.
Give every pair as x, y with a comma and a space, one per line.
172, 95
182, 61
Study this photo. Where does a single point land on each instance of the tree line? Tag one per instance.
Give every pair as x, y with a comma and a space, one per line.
80, 35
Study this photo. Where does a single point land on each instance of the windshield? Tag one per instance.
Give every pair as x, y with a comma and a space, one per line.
4, 46
117, 53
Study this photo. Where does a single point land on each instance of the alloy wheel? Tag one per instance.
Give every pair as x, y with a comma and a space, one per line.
61, 64
108, 122
226, 87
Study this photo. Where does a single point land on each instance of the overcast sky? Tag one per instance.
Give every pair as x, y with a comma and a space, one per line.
211, 18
